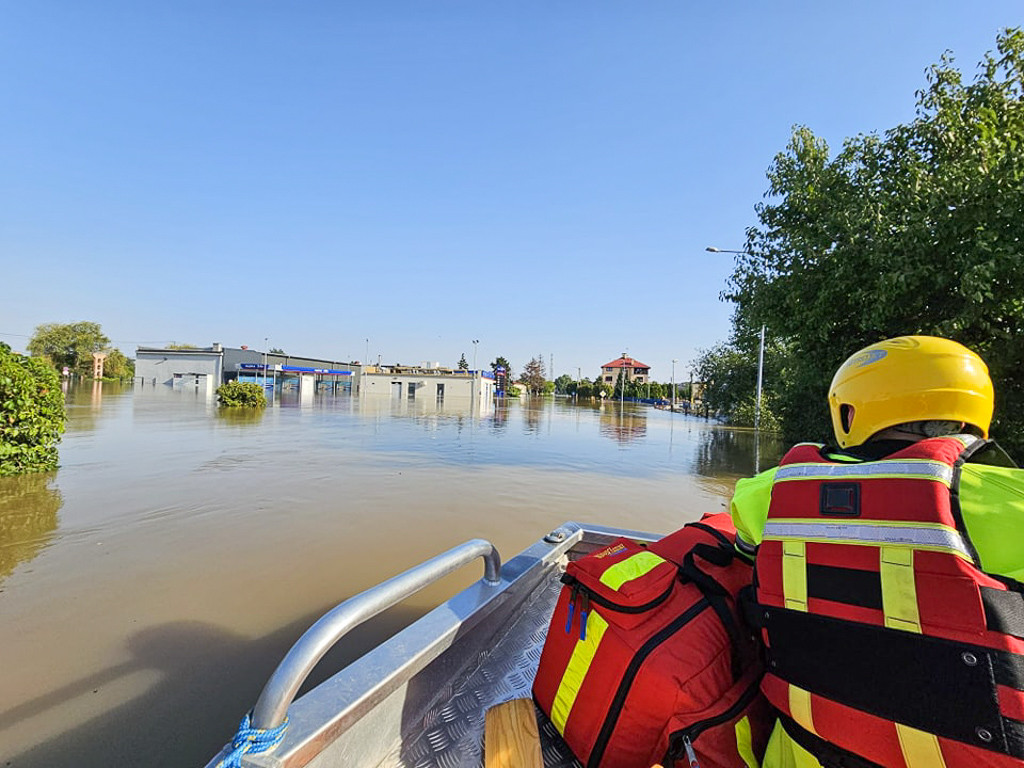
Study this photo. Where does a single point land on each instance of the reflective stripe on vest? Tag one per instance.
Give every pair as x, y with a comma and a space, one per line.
933, 537
918, 469
569, 686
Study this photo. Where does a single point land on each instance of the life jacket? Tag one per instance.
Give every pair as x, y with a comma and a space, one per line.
646, 660
886, 642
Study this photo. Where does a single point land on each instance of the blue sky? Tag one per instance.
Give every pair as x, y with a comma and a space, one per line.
541, 176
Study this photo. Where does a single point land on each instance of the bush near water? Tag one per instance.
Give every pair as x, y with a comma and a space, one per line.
32, 414
238, 394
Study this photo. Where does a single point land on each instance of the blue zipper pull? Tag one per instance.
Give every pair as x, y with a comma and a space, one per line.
572, 604
584, 610
691, 756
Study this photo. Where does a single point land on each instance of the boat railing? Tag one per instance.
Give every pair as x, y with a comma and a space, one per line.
277, 695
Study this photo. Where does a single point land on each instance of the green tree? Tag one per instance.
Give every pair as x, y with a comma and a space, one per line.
914, 231
68, 344
32, 414
563, 384
532, 377
180, 345
463, 365
276, 351
118, 366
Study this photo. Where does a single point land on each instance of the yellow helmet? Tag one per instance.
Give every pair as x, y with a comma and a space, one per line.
910, 378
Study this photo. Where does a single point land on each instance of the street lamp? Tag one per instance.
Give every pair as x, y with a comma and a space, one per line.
674, 385
265, 340
475, 342
760, 354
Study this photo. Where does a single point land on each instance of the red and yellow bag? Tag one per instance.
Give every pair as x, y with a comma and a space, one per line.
646, 659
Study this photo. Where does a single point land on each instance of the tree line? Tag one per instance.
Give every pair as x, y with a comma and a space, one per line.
71, 346
915, 230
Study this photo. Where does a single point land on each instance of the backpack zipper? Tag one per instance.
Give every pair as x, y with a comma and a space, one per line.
604, 602
680, 742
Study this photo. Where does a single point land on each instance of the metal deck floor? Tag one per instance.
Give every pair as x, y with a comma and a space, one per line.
451, 733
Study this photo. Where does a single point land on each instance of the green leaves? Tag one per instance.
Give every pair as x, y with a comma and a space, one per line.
915, 230
32, 414
239, 394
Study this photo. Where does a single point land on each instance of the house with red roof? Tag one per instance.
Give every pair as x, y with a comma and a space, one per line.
632, 370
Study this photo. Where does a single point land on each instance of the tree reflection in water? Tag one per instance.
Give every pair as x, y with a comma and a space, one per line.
28, 518
728, 452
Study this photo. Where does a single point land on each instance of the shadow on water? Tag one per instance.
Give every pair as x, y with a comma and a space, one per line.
28, 518
196, 705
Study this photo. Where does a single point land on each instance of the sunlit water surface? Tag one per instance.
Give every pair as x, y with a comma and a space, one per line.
151, 584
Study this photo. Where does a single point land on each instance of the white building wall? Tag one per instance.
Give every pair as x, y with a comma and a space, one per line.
161, 366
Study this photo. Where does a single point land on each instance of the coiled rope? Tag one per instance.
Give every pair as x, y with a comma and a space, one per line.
250, 741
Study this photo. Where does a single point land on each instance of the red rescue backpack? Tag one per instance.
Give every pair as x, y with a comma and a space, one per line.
647, 660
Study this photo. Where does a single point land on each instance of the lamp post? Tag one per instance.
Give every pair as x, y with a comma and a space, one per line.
473, 376
265, 340
674, 361
760, 354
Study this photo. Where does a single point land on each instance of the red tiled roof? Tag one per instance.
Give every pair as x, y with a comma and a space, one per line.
625, 362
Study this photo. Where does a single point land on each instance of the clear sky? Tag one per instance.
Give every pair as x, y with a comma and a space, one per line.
540, 176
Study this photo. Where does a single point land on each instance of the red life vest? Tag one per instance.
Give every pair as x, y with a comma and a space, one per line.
884, 636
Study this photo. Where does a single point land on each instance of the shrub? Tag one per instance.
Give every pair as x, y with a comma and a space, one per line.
32, 414
238, 394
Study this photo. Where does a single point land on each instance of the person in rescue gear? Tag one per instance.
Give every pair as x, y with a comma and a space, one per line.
881, 558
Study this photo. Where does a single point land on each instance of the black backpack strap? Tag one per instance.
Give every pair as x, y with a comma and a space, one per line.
717, 596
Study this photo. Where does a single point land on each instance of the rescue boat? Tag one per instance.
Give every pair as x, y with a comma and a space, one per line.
420, 698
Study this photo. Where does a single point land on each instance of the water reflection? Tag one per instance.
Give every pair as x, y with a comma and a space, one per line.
623, 423
736, 452
28, 518
84, 403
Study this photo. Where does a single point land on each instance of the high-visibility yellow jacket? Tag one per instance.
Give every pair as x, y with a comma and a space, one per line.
992, 506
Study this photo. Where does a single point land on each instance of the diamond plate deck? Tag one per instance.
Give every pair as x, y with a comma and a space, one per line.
451, 733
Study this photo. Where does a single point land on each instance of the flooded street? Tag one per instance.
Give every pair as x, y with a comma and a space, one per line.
151, 584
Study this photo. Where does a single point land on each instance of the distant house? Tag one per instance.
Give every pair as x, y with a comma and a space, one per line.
633, 370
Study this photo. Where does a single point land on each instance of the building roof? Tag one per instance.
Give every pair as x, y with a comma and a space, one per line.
625, 362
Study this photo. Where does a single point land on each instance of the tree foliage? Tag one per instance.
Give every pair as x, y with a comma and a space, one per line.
532, 378
242, 394
118, 366
463, 365
564, 384
68, 344
917, 230
32, 414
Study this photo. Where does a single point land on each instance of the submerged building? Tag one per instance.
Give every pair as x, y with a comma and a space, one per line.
206, 368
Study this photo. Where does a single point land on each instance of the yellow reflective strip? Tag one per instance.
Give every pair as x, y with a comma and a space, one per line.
899, 591
745, 743
576, 671
800, 708
632, 567
794, 575
920, 749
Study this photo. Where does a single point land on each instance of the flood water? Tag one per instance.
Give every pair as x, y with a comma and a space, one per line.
151, 584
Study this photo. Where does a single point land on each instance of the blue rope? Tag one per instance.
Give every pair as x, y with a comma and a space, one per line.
249, 740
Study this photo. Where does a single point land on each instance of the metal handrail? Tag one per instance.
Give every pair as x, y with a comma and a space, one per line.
277, 695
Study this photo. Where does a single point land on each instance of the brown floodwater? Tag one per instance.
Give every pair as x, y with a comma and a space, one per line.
151, 584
